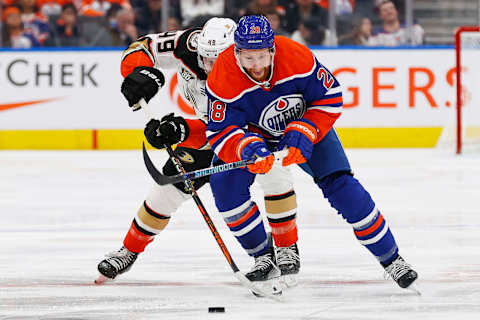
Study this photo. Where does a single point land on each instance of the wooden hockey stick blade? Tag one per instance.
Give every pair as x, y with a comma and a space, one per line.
259, 291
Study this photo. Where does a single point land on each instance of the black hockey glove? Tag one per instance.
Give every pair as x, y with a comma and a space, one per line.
169, 130
143, 82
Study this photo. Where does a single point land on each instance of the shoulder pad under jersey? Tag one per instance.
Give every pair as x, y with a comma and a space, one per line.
186, 51
287, 51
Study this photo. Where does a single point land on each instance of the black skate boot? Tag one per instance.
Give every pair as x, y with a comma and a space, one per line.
264, 268
117, 263
265, 273
288, 260
401, 272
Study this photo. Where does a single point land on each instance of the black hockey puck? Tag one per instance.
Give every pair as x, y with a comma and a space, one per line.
216, 309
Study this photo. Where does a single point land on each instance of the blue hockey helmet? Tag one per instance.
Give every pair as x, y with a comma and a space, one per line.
253, 32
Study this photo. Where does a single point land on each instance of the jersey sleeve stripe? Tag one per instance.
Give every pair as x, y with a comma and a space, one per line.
226, 154
323, 121
328, 109
333, 91
234, 134
214, 136
328, 101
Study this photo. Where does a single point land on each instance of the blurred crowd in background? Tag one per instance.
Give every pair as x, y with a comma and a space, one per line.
116, 23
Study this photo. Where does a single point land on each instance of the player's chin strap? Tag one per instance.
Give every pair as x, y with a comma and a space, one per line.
189, 185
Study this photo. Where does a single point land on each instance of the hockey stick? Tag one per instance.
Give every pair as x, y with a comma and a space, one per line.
162, 179
193, 192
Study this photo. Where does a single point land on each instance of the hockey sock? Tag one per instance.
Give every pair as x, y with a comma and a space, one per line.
145, 226
247, 226
354, 203
281, 212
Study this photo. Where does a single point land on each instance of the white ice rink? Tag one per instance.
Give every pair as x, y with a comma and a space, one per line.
62, 211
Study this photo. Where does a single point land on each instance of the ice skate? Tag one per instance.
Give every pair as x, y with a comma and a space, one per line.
264, 267
265, 273
402, 273
117, 262
288, 261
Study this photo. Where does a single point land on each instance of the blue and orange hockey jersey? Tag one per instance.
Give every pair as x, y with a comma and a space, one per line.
300, 87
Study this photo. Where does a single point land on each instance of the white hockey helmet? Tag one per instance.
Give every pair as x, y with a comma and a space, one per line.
216, 36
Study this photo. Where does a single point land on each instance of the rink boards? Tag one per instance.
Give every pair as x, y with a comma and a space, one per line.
65, 99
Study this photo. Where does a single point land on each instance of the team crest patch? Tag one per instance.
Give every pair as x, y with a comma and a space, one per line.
278, 114
185, 157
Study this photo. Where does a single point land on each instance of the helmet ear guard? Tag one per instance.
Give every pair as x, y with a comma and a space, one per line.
254, 32
215, 37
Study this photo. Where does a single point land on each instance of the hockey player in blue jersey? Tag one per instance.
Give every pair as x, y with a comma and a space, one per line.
269, 93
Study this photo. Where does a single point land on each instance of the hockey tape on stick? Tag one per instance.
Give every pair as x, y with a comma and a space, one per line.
147, 110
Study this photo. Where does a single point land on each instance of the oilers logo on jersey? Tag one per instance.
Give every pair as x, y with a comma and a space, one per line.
280, 112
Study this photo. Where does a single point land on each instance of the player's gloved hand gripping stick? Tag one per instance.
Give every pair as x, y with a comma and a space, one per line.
188, 183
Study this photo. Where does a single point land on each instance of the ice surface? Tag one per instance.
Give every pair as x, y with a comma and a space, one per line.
62, 211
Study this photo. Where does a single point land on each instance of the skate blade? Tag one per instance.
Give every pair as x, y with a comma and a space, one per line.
413, 288
102, 280
256, 289
271, 286
288, 281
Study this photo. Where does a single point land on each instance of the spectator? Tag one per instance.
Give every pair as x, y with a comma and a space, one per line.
65, 32
34, 22
264, 6
275, 20
116, 29
341, 6
192, 8
361, 33
6, 3
122, 25
393, 32
367, 8
173, 24
13, 32
235, 9
302, 10
399, 4
96, 8
151, 16
310, 32
51, 7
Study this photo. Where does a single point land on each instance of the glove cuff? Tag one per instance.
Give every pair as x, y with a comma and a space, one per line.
184, 129
153, 73
305, 127
242, 143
